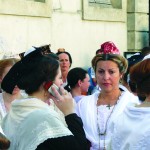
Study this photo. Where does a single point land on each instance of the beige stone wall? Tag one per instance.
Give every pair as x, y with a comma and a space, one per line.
138, 25
68, 24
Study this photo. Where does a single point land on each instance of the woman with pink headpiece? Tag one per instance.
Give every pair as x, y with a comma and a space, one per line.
100, 109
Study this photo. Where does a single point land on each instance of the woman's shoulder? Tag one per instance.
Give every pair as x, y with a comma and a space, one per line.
130, 97
86, 102
89, 98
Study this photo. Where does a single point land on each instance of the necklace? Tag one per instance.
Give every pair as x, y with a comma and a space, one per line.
105, 129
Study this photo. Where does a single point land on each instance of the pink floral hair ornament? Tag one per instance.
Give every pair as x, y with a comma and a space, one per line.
109, 48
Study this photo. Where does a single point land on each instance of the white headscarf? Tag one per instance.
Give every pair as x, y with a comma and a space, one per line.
29, 51
146, 57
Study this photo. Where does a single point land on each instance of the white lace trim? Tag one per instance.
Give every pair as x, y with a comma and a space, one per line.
30, 122
46, 134
103, 114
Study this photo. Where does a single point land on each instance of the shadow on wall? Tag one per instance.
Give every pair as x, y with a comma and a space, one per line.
144, 38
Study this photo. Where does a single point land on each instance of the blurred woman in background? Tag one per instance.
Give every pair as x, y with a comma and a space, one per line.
7, 98
65, 60
78, 83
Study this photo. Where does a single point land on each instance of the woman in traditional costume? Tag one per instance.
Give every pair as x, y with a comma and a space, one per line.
65, 60
31, 124
98, 110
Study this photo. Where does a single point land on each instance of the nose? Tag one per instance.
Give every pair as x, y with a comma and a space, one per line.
106, 76
63, 61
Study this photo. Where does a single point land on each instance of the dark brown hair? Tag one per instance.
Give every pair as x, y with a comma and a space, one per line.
74, 75
140, 75
30, 72
4, 142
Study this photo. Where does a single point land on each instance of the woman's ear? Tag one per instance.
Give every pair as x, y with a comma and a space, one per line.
121, 75
79, 83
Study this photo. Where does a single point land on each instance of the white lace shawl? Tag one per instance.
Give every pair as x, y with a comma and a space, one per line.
31, 122
131, 130
87, 110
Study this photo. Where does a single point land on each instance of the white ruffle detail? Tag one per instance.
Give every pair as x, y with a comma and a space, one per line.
30, 122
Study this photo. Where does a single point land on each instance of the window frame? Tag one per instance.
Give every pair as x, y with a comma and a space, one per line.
25, 8
104, 12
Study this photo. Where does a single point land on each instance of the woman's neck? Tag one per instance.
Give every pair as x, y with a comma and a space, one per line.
41, 95
147, 98
76, 91
64, 76
110, 98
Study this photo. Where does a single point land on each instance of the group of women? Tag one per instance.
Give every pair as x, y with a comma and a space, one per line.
103, 120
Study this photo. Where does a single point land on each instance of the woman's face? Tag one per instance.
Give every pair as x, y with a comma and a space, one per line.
58, 79
85, 84
64, 62
108, 75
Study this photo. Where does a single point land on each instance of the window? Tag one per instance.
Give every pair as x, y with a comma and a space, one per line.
41, 8
106, 10
42, 1
102, 3
107, 2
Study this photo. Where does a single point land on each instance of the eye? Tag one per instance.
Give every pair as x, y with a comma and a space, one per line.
111, 72
101, 71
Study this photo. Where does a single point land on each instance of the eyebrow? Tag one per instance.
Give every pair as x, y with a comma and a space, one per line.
108, 69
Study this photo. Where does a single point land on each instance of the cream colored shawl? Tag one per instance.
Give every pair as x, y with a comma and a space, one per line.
31, 122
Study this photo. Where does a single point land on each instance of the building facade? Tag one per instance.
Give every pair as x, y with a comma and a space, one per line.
79, 26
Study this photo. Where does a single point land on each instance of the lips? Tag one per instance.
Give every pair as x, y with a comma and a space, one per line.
64, 66
106, 84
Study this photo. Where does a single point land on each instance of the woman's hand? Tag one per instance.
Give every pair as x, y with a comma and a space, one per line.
63, 101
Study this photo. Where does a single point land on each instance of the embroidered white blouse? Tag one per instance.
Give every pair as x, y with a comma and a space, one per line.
87, 109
